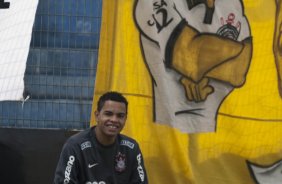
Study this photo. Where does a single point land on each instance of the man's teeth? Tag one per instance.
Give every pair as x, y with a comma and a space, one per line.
112, 126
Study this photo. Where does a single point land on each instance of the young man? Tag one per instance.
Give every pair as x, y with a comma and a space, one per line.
100, 154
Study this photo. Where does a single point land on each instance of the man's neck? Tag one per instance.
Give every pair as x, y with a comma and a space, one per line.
103, 139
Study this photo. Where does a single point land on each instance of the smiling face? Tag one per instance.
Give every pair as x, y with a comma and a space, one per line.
110, 121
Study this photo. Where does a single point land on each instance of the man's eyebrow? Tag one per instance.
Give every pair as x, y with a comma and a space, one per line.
108, 111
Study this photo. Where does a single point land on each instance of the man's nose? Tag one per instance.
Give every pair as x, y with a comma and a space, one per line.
114, 118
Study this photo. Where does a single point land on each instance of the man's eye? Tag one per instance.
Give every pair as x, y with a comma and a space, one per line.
121, 115
108, 113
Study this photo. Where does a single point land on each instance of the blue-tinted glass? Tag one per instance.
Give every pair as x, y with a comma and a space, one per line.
49, 124
59, 23
74, 56
19, 123
51, 39
77, 91
35, 80
37, 23
43, 39
52, 23
62, 111
70, 112
36, 55
65, 59
72, 41
99, 26
87, 25
65, 40
56, 88
9, 112
80, 24
43, 59
84, 41
92, 73
40, 124
99, 9
73, 6
59, 7
94, 57
91, 90
6, 111
94, 25
72, 24
79, 41
95, 41
48, 112
39, 7
85, 60
1, 109
44, 22
19, 111
70, 91
33, 57
88, 10
64, 81
76, 113
80, 9
66, 23
52, 6
26, 123
11, 122
32, 41
58, 40
43, 80
36, 39
33, 124
41, 110
50, 81
70, 72
43, 6
56, 112
95, 8
84, 93
67, 7
87, 111
34, 110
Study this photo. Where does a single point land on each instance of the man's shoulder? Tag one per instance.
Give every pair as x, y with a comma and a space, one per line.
80, 137
127, 141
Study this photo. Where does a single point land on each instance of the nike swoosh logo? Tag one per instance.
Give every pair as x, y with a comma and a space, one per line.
92, 165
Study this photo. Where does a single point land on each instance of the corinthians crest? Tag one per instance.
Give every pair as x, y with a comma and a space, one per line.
229, 28
120, 161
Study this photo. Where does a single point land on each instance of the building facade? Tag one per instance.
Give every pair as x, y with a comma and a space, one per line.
61, 67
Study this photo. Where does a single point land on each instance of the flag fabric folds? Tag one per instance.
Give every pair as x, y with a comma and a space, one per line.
16, 21
203, 84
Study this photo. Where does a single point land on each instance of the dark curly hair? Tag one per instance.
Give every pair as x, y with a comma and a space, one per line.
113, 96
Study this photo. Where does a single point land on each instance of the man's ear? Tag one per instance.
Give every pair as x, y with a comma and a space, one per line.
96, 114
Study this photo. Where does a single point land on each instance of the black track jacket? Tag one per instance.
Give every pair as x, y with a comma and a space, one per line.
84, 160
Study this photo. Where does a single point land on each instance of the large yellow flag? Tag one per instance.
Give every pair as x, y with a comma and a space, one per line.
203, 80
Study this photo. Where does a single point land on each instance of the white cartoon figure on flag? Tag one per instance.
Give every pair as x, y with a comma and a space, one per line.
266, 174
197, 52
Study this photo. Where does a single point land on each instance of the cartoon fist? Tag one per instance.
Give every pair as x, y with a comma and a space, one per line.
197, 92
